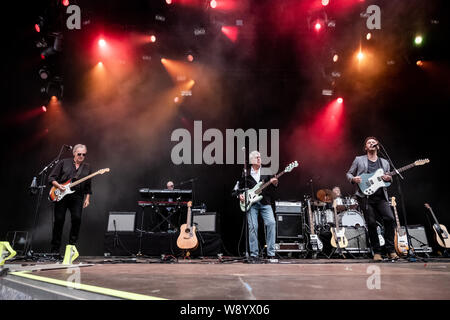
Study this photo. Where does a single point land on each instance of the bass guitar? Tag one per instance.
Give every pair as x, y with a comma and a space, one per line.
316, 244
254, 194
371, 182
187, 240
57, 194
338, 238
400, 239
440, 231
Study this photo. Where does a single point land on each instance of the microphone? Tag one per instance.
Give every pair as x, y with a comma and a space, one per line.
33, 186
375, 145
243, 149
68, 147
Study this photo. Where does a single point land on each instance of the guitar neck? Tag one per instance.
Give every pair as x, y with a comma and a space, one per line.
265, 185
409, 166
84, 179
311, 222
188, 221
434, 217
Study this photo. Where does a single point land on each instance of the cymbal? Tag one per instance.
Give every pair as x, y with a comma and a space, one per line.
325, 195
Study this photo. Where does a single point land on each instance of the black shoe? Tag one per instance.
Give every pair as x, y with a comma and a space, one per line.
253, 260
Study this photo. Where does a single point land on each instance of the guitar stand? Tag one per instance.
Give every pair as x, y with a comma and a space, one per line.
165, 219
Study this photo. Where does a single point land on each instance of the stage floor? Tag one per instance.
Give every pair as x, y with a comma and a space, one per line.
231, 279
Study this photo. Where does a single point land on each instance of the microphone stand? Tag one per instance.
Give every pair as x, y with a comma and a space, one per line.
411, 254
34, 189
244, 173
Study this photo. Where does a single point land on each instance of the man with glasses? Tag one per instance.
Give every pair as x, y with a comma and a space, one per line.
70, 169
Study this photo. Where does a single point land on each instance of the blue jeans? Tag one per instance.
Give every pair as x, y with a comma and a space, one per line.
269, 223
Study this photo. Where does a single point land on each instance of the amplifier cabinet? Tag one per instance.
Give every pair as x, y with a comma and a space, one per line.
288, 207
289, 226
205, 221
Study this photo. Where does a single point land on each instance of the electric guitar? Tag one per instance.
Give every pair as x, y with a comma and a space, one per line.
56, 194
440, 231
254, 194
316, 244
371, 182
338, 238
401, 239
187, 240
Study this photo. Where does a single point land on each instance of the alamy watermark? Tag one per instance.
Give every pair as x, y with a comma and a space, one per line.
223, 150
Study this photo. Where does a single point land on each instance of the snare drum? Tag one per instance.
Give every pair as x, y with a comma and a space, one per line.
351, 218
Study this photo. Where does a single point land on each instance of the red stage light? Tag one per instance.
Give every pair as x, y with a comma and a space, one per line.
169, 1
231, 32
190, 57
213, 4
102, 43
153, 38
340, 100
42, 56
44, 108
65, 3
325, 2
37, 28
317, 26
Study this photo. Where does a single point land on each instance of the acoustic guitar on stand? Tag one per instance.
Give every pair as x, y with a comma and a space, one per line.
187, 240
440, 231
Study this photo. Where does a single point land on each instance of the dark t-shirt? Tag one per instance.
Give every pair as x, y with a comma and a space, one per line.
371, 168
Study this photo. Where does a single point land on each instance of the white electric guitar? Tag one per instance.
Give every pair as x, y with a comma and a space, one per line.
371, 182
254, 194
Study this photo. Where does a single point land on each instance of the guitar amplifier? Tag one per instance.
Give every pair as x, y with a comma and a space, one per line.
288, 207
419, 240
205, 221
357, 241
121, 221
289, 226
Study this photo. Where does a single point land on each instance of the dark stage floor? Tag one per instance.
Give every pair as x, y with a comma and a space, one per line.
231, 279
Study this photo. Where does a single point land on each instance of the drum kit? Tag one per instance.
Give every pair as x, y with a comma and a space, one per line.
347, 208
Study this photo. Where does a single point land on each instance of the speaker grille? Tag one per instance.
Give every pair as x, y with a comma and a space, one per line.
289, 226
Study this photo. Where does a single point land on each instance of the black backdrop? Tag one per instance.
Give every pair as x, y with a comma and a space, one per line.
268, 79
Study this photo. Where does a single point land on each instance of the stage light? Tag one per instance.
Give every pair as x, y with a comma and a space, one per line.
43, 73
42, 56
65, 3
213, 4
37, 28
418, 40
102, 43
360, 56
39, 24
317, 26
368, 36
325, 2
190, 57
100, 64
169, 1
44, 109
335, 58
419, 63
153, 38
176, 99
340, 100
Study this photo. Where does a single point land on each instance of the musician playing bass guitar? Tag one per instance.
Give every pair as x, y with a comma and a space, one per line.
263, 207
376, 204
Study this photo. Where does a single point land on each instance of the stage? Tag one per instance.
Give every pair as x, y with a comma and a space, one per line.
227, 278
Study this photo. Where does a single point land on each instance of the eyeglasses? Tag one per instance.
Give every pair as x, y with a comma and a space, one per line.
81, 154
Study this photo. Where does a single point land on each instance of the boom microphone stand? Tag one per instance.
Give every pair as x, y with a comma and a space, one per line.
34, 189
411, 254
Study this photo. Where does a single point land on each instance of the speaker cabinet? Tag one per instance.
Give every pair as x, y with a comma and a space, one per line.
121, 221
289, 226
419, 240
205, 221
357, 240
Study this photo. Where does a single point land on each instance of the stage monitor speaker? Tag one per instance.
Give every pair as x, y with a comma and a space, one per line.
419, 239
357, 241
124, 221
289, 226
205, 221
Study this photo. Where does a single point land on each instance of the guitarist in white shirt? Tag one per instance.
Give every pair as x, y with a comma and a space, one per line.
263, 207
66, 169
377, 204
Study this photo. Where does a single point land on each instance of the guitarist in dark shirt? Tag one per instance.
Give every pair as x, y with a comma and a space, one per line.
71, 168
262, 207
376, 204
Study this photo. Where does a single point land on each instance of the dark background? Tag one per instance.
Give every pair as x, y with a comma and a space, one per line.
271, 77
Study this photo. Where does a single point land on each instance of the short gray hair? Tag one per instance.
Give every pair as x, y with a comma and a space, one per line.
253, 155
78, 146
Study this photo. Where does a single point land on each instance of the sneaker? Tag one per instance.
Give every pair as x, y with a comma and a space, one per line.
272, 259
393, 256
377, 257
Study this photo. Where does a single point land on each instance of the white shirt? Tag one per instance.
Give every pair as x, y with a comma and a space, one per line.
256, 174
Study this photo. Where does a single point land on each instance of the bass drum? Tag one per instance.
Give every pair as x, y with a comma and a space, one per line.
351, 218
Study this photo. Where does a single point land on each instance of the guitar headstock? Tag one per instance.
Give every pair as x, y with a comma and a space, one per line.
421, 162
102, 171
291, 166
393, 203
427, 206
189, 204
